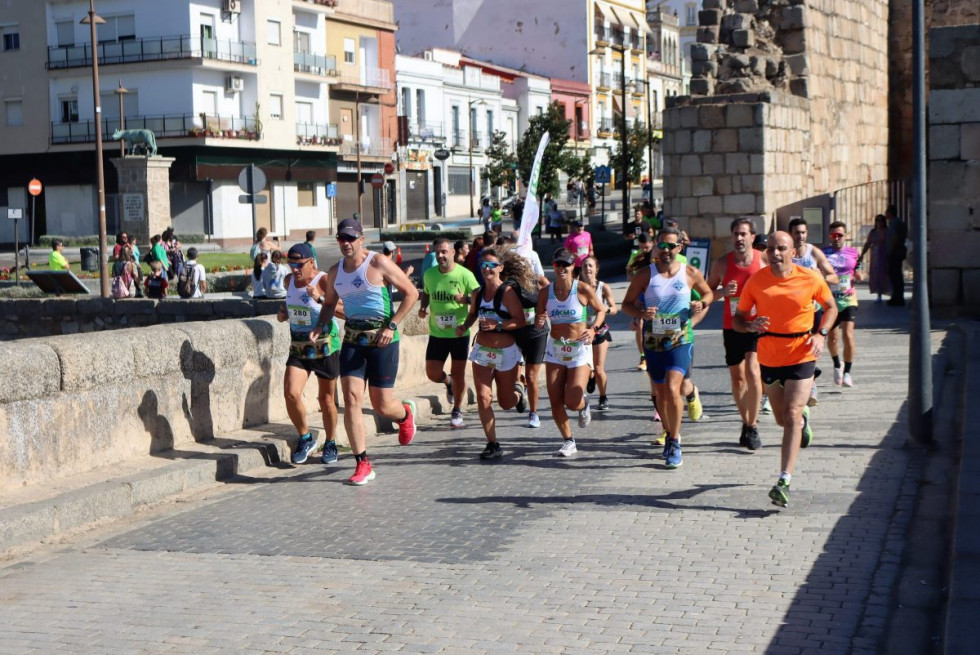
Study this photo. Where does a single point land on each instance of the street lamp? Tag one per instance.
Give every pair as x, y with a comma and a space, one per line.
472, 120
623, 136
92, 20
121, 91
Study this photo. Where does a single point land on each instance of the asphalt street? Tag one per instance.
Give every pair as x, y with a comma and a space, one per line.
606, 552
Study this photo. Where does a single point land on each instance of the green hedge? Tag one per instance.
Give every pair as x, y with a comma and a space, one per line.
93, 240
427, 235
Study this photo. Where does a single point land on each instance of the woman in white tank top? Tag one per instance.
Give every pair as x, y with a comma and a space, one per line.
600, 345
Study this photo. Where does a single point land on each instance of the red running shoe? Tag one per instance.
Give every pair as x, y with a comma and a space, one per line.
363, 474
406, 427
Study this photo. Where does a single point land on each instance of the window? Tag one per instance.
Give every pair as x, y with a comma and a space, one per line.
349, 47
117, 28
692, 14
11, 38
275, 106
457, 137
420, 106
406, 102
273, 32
459, 181
14, 112
69, 109
303, 42
306, 194
489, 126
110, 104
66, 33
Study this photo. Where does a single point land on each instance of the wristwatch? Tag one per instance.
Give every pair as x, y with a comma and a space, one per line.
392, 326
823, 332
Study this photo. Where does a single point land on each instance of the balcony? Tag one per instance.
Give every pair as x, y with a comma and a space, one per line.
477, 141
605, 129
602, 35
379, 11
163, 127
153, 49
315, 134
583, 133
321, 3
370, 149
426, 131
363, 78
319, 65
603, 81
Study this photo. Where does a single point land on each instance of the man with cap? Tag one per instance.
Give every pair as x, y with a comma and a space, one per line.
370, 345
306, 288
390, 250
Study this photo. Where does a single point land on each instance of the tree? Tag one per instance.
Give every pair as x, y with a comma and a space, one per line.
636, 146
553, 122
501, 162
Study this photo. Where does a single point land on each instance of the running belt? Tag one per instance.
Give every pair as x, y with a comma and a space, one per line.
783, 335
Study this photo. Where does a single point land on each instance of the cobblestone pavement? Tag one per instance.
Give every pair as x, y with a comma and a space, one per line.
604, 552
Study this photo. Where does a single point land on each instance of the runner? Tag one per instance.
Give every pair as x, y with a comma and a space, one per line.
783, 295
306, 288
447, 288
805, 255
847, 265
661, 296
568, 360
497, 307
369, 353
731, 272
603, 337
640, 260
531, 340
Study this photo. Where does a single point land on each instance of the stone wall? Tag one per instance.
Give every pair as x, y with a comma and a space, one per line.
954, 167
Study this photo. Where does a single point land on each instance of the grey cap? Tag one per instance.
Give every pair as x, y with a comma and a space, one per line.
389, 246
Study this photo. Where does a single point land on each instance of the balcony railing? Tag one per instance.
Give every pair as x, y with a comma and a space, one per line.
366, 76
379, 10
603, 80
324, 65
369, 148
316, 134
153, 49
325, 3
602, 35
605, 126
426, 130
163, 127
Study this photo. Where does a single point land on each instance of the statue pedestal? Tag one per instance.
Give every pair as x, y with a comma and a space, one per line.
144, 195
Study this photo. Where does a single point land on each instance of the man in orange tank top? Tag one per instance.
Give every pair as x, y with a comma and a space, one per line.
783, 295
731, 272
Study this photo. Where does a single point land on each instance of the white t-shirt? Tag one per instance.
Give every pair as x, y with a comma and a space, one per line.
272, 279
532, 256
197, 276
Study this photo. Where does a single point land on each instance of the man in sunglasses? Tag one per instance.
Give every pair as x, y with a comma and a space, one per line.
660, 295
846, 262
370, 346
784, 295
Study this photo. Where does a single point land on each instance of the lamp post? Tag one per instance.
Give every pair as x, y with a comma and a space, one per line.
92, 20
472, 120
121, 91
623, 136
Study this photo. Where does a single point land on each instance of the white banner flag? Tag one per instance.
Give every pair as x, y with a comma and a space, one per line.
532, 210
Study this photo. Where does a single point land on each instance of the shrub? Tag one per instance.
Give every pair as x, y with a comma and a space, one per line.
427, 235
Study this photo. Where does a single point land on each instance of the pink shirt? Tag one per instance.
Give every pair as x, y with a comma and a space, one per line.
579, 245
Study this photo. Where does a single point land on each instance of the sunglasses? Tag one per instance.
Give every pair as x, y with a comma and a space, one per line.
663, 245
346, 238
836, 235
299, 264
562, 264
490, 265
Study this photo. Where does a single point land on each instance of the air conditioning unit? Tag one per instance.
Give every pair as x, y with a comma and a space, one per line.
232, 6
234, 84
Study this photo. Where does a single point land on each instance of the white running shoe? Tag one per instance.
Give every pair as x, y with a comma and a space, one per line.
456, 420
568, 448
838, 375
766, 407
848, 382
533, 421
585, 415
812, 402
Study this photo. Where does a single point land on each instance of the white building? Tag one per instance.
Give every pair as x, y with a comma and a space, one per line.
686, 12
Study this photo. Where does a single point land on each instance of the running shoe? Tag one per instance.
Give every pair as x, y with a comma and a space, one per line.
590, 385
304, 446
533, 421
694, 409
661, 440
492, 451
838, 375
848, 382
642, 366
812, 402
807, 432
673, 457
450, 399
521, 398
742, 439
603, 404
330, 454
456, 419
766, 407
779, 494
752, 439
585, 415
363, 473
406, 427
568, 448
656, 416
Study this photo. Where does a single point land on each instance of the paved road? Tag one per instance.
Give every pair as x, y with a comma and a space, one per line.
442, 553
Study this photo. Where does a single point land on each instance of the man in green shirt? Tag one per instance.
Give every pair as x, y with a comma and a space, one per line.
446, 290
56, 260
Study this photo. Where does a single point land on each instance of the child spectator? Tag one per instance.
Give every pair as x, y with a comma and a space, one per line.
156, 281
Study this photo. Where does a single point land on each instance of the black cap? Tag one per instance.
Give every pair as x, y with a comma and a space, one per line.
563, 256
644, 238
350, 227
300, 251
760, 241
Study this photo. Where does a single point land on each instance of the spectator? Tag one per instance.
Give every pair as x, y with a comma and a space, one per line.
273, 276
124, 274
56, 260
430, 258
516, 213
556, 219
390, 250
197, 275
485, 212
310, 236
896, 251
258, 288
263, 243
156, 282
122, 240
175, 256
877, 240
497, 218
157, 252
462, 251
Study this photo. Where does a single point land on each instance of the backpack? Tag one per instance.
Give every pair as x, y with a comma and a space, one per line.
176, 259
121, 280
185, 282
527, 300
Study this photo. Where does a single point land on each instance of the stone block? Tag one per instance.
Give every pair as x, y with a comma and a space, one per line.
689, 207
689, 116
711, 117
90, 504
701, 87
970, 63
136, 307
21, 524
971, 288
149, 342
945, 286
59, 307
702, 141
700, 227
969, 142
722, 227
746, 6
704, 68
947, 106
751, 139
702, 52
93, 360
713, 164
690, 165
708, 34
793, 42
702, 186
751, 184
234, 308
682, 142
946, 180
726, 141
737, 163
798, 65
43, 378
799, 88
959, 247
731, 22
740, 204
183, 308
723, 184
794, 18
709, 17
743, 38
711, 4
95, 306
738, 115
944, 142
681, 186
709, 205
757, 164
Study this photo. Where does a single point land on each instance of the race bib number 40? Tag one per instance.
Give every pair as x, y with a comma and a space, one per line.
489, 357
566, 351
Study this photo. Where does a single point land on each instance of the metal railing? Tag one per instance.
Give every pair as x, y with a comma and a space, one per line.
426, 130
603, 80
365, 76
153, 49
477, 140
858, 205
317, 134
305, 62
605, 125
369, 148
602, 35
162, 126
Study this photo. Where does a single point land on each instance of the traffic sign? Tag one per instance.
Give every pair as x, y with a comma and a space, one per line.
258, 200
389, 168
441, 154
15, 214
34, 187
377, 180
331, 189
603, 174
258, 179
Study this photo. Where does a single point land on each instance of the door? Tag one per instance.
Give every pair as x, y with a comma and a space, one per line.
263, 212
417, 196
347, 123
209, 46
437, 189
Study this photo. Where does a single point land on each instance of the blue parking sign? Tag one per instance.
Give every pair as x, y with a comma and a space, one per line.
331, 189
603, 174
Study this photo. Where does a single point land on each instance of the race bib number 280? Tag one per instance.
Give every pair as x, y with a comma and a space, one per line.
300, 316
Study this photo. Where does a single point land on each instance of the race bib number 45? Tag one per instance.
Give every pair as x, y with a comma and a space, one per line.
489, 357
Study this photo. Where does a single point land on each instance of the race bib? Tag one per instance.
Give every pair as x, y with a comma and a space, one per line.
489, 357
843, 287
566, 351
732, 304
446, 321
300, 315
582, 251
665, 324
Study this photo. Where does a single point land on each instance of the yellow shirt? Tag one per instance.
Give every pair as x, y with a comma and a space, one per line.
57, 261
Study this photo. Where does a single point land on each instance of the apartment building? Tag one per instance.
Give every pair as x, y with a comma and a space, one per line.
221, 83
685, 13
665, 74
